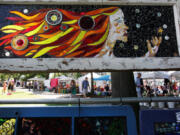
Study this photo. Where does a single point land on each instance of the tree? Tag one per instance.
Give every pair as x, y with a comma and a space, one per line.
7, 76
32, 75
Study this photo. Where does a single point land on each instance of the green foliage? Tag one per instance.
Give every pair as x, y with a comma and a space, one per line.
73, 75
32, 75
77, 75
6, 76
26, 76
43, 75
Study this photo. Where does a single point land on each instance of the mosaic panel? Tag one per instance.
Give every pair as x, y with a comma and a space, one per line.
45, 126
79, 31
101, 126
167, 128
7, 126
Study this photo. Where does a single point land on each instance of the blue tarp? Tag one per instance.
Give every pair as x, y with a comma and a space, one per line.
103, 78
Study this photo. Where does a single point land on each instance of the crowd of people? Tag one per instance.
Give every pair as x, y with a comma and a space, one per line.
68, 87
98, 91
167, 89
73, 88
35, 86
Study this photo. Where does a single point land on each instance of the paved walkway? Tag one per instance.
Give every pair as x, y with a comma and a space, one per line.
37, 94
45, 94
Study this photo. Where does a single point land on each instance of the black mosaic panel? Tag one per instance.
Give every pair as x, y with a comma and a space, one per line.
167, 128
45, 126
100, 126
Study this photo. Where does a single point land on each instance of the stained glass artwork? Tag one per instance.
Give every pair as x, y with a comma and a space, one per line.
87, 31
86, 23
45, 126
53, 17
159, 14
7, 53
137, 10
166, 37
165, 26
100, 126
138, 25
19, 42
136, 47
25, 11
64, 27
167, 128
7, 126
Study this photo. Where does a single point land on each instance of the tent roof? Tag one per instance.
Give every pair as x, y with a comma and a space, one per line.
63, 77
176, 74
103, 78
89, 76
154, 75
36, 79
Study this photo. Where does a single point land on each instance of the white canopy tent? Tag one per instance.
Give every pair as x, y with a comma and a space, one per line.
80, 80
64, 78
155, 78
37, 79
47, 83
176, 74
153, 75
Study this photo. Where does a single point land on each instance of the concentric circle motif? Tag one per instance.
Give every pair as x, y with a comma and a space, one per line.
64, 27
19, 42
45, 27
36, 38
86, 23
53, 17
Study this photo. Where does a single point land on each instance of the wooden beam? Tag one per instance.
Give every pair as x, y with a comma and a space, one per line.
89, 64
86, 2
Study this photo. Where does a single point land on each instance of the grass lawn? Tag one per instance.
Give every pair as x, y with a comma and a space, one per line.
22, 94
18, 95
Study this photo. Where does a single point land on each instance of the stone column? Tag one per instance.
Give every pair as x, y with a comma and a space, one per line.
123, 86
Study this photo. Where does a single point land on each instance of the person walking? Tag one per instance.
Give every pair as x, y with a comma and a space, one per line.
139, 85
10, 87
35, 86
29, 86
85, 85
4, 87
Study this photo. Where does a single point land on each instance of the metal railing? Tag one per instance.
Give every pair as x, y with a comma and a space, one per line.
90, 100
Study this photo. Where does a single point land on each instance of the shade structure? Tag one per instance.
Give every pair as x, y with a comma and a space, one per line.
103, 78
36, 79
64, 78
176, 74
154, 75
